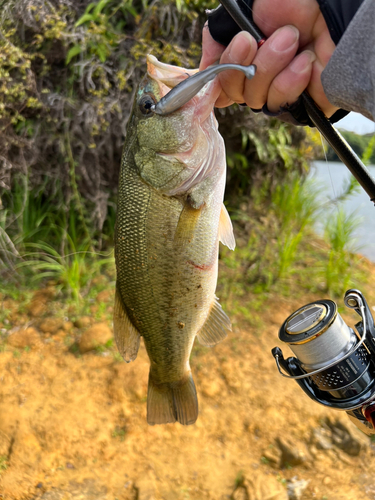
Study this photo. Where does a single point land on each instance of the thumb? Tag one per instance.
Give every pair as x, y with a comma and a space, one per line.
211, 50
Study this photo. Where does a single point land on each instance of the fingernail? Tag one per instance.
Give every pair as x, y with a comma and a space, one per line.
240, 47
285, 37
302, 61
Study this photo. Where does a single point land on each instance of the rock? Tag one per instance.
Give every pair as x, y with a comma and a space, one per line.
292, 452
259, 487
321, 438
51, 325
82, 322
95, 336
335, 434
36, 308
28, 337
240, 493
274, 456
38, 304
352, 441
296, 487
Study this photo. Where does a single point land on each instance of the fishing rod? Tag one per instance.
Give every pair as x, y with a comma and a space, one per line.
333, 364
321, 122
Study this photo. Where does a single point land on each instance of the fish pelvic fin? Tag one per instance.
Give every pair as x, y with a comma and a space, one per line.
187, 224
216, 326
126, 335
226, 235
174, 402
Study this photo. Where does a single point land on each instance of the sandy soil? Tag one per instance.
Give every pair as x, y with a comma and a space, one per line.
73, 426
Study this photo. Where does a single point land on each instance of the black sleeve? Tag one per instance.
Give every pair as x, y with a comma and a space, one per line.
337, 14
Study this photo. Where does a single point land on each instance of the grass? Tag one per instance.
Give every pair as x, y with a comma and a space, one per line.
3, 463
72, 268
339, 232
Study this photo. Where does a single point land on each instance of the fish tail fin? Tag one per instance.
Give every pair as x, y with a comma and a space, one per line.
168, 403
185, 400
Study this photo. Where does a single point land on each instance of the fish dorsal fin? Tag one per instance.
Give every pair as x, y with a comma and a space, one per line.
187, 224
226, 235
216, 326
126, 335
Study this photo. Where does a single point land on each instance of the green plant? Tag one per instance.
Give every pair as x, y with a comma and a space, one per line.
72, 268
296, 207
3, 463
339, 232
119, 432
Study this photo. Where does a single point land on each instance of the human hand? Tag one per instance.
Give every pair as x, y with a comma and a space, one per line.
291, 60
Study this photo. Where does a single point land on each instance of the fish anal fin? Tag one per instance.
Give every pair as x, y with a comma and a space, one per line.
173, 402
216, 326
226, 235
126, 335
187, 224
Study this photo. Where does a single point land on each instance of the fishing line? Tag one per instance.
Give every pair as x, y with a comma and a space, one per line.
264, 20
329, 167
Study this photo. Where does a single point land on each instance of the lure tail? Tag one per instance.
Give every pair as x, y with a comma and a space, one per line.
173, 402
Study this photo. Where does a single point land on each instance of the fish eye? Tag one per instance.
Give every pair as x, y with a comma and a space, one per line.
145, 104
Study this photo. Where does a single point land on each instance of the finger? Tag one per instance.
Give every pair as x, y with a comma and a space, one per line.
272, 58
211, 50
241, 50
323, 47
269, 15
316, 91
291, 82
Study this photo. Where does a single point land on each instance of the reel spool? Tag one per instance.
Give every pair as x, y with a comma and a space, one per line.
333, 365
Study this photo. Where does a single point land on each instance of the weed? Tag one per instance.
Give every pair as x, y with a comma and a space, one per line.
119, 432
282, 480
296, 207
339, 231
3, 463
71, 269
117, 357
239, 480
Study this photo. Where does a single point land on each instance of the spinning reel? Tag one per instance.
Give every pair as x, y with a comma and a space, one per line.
334, 365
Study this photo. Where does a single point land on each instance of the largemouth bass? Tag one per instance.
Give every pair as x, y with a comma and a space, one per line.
169, 222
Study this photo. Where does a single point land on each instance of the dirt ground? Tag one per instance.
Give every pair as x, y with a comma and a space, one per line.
73, 420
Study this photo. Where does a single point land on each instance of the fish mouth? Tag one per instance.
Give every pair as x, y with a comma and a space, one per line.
168, 76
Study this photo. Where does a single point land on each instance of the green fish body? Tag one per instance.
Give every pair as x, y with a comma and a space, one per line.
169, 223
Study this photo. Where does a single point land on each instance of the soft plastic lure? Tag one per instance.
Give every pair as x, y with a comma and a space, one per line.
187, 89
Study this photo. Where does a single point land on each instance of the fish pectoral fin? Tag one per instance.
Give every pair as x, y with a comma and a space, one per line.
226, 235
126, 335
172, 402
186, 225
216, 326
